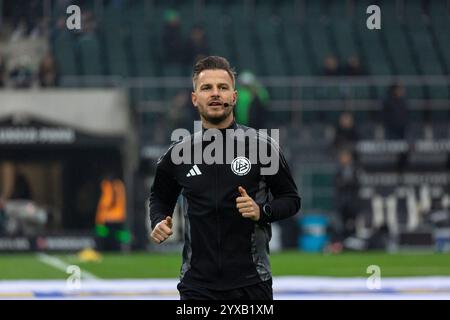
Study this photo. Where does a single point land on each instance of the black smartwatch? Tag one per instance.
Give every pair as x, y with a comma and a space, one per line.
267, 212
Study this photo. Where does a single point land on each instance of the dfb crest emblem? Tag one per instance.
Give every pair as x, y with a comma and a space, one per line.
241, 166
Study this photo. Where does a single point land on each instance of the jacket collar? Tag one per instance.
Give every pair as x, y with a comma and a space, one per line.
233, 125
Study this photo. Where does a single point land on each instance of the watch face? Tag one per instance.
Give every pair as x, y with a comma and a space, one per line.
267, 210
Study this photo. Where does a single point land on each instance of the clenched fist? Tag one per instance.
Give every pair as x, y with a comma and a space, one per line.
162, 230
248, 208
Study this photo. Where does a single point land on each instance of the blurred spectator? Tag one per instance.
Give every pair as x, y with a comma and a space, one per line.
346, 194
181, 113
21, 75
2, 71
88, 24
19, 214
40, 29
22, 189
426, 7
110, 218
197, 45
331, 66
346, 134
353, 67
25, 15
172, 41
14, 183
394, 114
20, 31
251, 106
59, 27
48, 72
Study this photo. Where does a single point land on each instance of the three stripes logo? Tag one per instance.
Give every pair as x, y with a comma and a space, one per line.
195, 171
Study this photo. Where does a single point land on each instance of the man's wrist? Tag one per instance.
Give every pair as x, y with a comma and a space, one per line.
265, 213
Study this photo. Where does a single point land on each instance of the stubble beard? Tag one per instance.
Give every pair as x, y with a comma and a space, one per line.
215, 120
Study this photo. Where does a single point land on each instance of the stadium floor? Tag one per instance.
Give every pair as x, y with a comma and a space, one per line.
285, 288
297, 276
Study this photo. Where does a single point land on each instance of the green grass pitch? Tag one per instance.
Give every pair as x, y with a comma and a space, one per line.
158, 265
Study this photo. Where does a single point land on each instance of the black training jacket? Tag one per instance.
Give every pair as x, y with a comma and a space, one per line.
222, 249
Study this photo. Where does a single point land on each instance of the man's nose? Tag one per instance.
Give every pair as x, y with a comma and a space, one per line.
215, 92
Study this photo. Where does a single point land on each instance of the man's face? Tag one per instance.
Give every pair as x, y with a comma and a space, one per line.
214, 88
346, 121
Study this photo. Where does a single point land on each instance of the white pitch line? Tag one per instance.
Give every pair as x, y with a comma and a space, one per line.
61, 265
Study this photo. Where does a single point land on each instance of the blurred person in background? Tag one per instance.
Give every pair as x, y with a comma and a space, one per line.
196, 45
395, 113
251, 107
14, 183
48, 72
89, 23
40, 29
110, 219
181, 113
346, 134
346, 193
20, 31
22, 189
354, 67
331, 66
25, 16
21, 75
21, 214
172, 39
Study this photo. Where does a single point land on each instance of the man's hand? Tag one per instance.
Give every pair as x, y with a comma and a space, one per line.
162, 230
247, 206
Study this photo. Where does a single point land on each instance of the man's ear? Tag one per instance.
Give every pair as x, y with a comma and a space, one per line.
194, 99
235, 96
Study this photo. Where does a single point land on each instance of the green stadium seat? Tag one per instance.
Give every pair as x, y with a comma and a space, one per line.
288, 12
217, 31
360, 92
90, 55
313, 10
361, 116
399, 49
322, 180
117, 57
422, 39
63, 48
268, 38
320, 43
441, 116
296, 51
343, 33
427, 56
415, 92
440, 24
371, 41
339, 10
140, 47
246, 55
439, 92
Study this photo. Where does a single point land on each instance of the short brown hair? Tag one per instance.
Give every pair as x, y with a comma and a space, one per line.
212, 63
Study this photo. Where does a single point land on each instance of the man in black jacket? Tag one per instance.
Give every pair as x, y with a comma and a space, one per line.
229, 204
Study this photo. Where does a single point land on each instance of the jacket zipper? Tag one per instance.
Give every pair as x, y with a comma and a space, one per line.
218, 220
